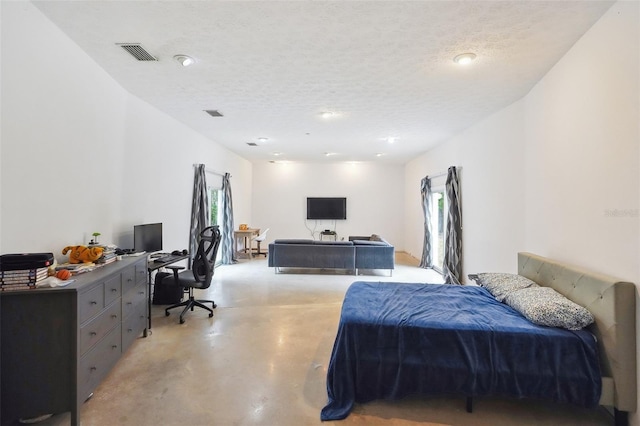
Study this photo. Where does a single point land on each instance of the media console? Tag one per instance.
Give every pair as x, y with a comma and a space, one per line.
58, 344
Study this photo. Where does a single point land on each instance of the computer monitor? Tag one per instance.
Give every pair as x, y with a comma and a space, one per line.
147, 237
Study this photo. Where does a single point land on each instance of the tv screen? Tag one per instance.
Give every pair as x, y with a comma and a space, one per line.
147, 237
326, 208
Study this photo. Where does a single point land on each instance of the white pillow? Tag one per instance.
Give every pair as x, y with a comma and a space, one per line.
545, 306
501, 284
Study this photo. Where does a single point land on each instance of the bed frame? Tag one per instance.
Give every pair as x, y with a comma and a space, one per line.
613, 304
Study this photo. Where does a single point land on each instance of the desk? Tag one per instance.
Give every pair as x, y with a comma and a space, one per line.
152, 265
245, 235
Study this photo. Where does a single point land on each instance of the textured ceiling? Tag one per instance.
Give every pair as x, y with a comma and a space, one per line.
383, 67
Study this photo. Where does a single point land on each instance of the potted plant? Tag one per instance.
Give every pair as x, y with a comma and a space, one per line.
95, 238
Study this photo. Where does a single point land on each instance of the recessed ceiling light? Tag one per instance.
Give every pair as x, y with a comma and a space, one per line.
392, 139
464, 58
184, 60
329, 154
276, 154
263, 139
328, 114
379, 154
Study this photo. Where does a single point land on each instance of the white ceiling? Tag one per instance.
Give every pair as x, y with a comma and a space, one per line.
384, 68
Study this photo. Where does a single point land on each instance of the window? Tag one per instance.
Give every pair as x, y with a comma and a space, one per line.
438, 224
215, 203
214, 199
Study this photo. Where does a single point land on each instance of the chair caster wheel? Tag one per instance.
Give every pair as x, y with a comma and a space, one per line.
181, 321
166, 314
210, 315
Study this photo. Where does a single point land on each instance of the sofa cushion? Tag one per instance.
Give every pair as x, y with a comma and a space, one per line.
293, 241
370, 243
333, 243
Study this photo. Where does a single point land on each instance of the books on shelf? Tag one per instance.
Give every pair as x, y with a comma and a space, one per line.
22, 279
108, 254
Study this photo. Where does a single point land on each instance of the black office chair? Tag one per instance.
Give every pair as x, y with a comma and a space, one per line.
200, 274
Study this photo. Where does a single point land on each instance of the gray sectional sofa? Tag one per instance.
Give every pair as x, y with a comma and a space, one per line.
358, 253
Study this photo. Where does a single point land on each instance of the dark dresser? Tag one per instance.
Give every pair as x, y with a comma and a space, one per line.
58, 344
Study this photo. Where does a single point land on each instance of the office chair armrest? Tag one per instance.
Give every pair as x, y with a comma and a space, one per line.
175, 270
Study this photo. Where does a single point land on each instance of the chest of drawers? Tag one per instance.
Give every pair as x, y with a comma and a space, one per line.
58, 344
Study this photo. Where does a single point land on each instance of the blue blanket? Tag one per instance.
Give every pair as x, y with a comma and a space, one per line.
397, 339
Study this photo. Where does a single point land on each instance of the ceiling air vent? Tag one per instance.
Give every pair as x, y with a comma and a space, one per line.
213, 112
252, 144
137, 51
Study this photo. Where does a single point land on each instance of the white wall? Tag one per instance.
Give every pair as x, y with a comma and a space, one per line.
374, 203
544, 174
490, 155
80, 154
1, 127
582, 148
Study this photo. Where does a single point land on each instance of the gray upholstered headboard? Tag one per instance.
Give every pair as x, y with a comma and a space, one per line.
613, 304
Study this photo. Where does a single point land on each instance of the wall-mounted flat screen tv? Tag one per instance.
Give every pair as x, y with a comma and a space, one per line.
327, 208
147, 237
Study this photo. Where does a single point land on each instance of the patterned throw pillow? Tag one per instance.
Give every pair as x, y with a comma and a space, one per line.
545, 306
501, 284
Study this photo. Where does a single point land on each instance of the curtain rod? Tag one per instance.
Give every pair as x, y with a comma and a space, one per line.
215, 172
437, 175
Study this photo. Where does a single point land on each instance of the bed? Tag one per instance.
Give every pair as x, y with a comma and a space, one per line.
398, 339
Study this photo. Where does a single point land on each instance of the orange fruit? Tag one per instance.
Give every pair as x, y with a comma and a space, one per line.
63, 274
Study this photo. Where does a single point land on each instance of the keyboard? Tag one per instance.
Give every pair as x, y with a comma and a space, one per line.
163, 259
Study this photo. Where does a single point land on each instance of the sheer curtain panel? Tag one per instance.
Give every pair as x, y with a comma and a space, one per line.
228, 254
425, 190
199, 208
452, 268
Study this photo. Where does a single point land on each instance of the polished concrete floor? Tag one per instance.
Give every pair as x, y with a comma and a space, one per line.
262, 360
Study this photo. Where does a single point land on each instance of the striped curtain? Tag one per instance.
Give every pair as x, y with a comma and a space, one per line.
425, 191
199, 208
452, 268
228, 254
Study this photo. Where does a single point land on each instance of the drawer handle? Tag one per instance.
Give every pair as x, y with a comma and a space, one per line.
129, 330
129, 303
93, 302
141, 292
114, 316
93, 333
93, 368
114, 347
113, 290
129, 279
